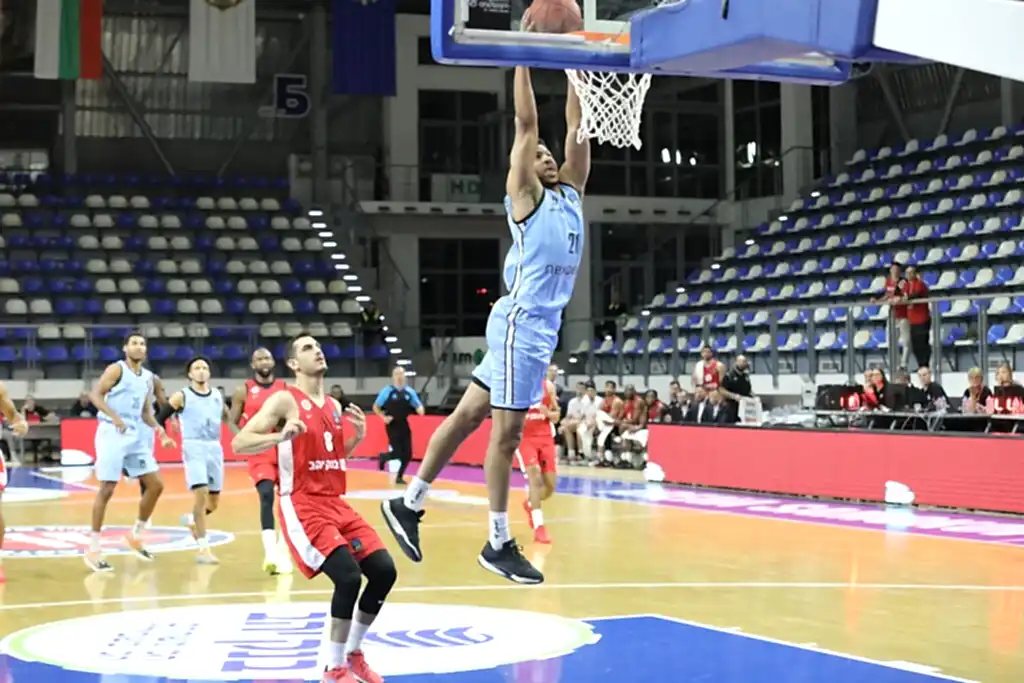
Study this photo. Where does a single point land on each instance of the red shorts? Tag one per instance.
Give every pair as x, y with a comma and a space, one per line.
316, 526
263, 467
537, 453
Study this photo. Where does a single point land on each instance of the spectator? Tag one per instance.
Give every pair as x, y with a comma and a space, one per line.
35, 413
1004, 376
696, 406
976, 395
708, 372
893, 295
879, 388
735, 386
1007, 394
633, 420
609, 416
710, 410
588, 423
579, 407
935, 396
678, 403
338, 394
83, 407
918, 317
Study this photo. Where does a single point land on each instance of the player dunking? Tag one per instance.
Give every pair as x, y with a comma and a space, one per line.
537, 459
545, 217
324, 534
246, 402
123, 395
201, 412
17, 424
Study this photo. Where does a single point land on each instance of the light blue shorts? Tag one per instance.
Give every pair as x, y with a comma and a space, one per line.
519, 349
129, 454
204, 464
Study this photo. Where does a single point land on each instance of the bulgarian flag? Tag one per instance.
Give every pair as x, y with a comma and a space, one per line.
68, 39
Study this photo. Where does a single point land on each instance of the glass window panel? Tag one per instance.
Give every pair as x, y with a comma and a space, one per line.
438, 254
475, 326
623, 242
469, 149
475, 105
744, 94
479, 292
705, 93
439, 148
665, 180
639, 185
423, 53
607, 179
767, 92
436, 326
480, 254
439, 105
770, 128
698, 137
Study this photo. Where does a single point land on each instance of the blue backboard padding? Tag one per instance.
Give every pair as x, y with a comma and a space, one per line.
641, 649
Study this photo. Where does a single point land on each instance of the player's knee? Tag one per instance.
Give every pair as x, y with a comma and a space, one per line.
381, 575
343, 571
534, 477
266, 490
106, 490
505, 436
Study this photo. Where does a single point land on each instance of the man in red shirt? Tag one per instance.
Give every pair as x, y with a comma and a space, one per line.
893, 295
536, 458
919, 317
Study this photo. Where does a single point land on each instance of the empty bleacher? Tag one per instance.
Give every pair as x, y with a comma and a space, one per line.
200, 265
802, 282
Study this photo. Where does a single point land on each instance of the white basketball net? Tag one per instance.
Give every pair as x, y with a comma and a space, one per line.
612, 106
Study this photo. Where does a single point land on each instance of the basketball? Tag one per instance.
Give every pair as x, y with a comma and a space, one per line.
554, 16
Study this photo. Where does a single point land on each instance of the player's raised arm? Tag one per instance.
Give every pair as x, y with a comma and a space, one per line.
258, 434
576, 167
522, 185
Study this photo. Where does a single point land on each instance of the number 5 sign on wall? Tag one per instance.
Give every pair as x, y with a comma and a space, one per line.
291, 98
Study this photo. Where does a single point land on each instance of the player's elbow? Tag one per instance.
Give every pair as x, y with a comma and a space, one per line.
526, 123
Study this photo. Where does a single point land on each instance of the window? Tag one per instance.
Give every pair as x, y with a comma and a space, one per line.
439, 105
469, 149
607, 179
424, 55
439, 254
439, 148
479, 292
477, 254
473, 106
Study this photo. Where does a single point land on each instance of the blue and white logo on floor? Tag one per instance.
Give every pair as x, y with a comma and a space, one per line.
237, 642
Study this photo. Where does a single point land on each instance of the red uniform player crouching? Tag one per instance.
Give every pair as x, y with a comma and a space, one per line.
324, 534
537, 459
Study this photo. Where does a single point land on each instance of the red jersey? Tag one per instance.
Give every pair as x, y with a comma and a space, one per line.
313, 463
916, 312
710, 378
633, 408
256, 395
654, 411
895, 288
537, 425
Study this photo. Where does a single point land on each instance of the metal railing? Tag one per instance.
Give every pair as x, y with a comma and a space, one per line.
972, 350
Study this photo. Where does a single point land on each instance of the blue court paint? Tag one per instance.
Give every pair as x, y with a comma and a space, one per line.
636, 649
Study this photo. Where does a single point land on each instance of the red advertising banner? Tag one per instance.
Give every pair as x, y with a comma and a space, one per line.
973, 472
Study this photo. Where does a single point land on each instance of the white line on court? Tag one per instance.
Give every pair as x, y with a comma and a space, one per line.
65, 482
685, 585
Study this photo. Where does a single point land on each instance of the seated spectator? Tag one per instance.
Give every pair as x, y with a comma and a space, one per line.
736, 386
674, 411
879, 388
36, 414
694, 409
935, 397
710, 411
83, 407
656, 410
1007, 394
588, 422
609, 413
976, 395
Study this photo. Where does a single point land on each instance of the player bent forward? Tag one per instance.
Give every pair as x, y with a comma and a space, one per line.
324, 534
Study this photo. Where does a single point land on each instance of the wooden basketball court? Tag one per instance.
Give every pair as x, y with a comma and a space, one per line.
644, 583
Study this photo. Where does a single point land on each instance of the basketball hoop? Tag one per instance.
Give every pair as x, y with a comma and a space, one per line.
612, 106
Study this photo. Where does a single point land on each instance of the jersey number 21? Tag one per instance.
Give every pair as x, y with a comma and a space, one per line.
574, 242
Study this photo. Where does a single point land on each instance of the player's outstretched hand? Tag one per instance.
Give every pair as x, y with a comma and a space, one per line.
355, 415
291, 429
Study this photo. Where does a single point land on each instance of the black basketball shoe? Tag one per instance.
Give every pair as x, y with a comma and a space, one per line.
405, 526
509, 563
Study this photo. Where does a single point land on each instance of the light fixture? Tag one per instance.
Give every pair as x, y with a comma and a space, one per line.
680, 290
338, 256
330, 245
391, 339
362, 298
749, 243
315, 212
351, 277
325, 233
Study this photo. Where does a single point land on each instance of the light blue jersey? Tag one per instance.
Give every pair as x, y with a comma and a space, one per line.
132, 451
540, 272
201, 416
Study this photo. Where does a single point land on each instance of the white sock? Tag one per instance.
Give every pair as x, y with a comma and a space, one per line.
416, 494
190, 519
94, 541
335, 654
204, 544
140, 526
356, 633
498, 522
269, 537
537, 517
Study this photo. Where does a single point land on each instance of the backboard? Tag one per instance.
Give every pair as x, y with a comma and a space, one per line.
805, 41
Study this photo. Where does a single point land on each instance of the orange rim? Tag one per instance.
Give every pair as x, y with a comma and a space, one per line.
595, 37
